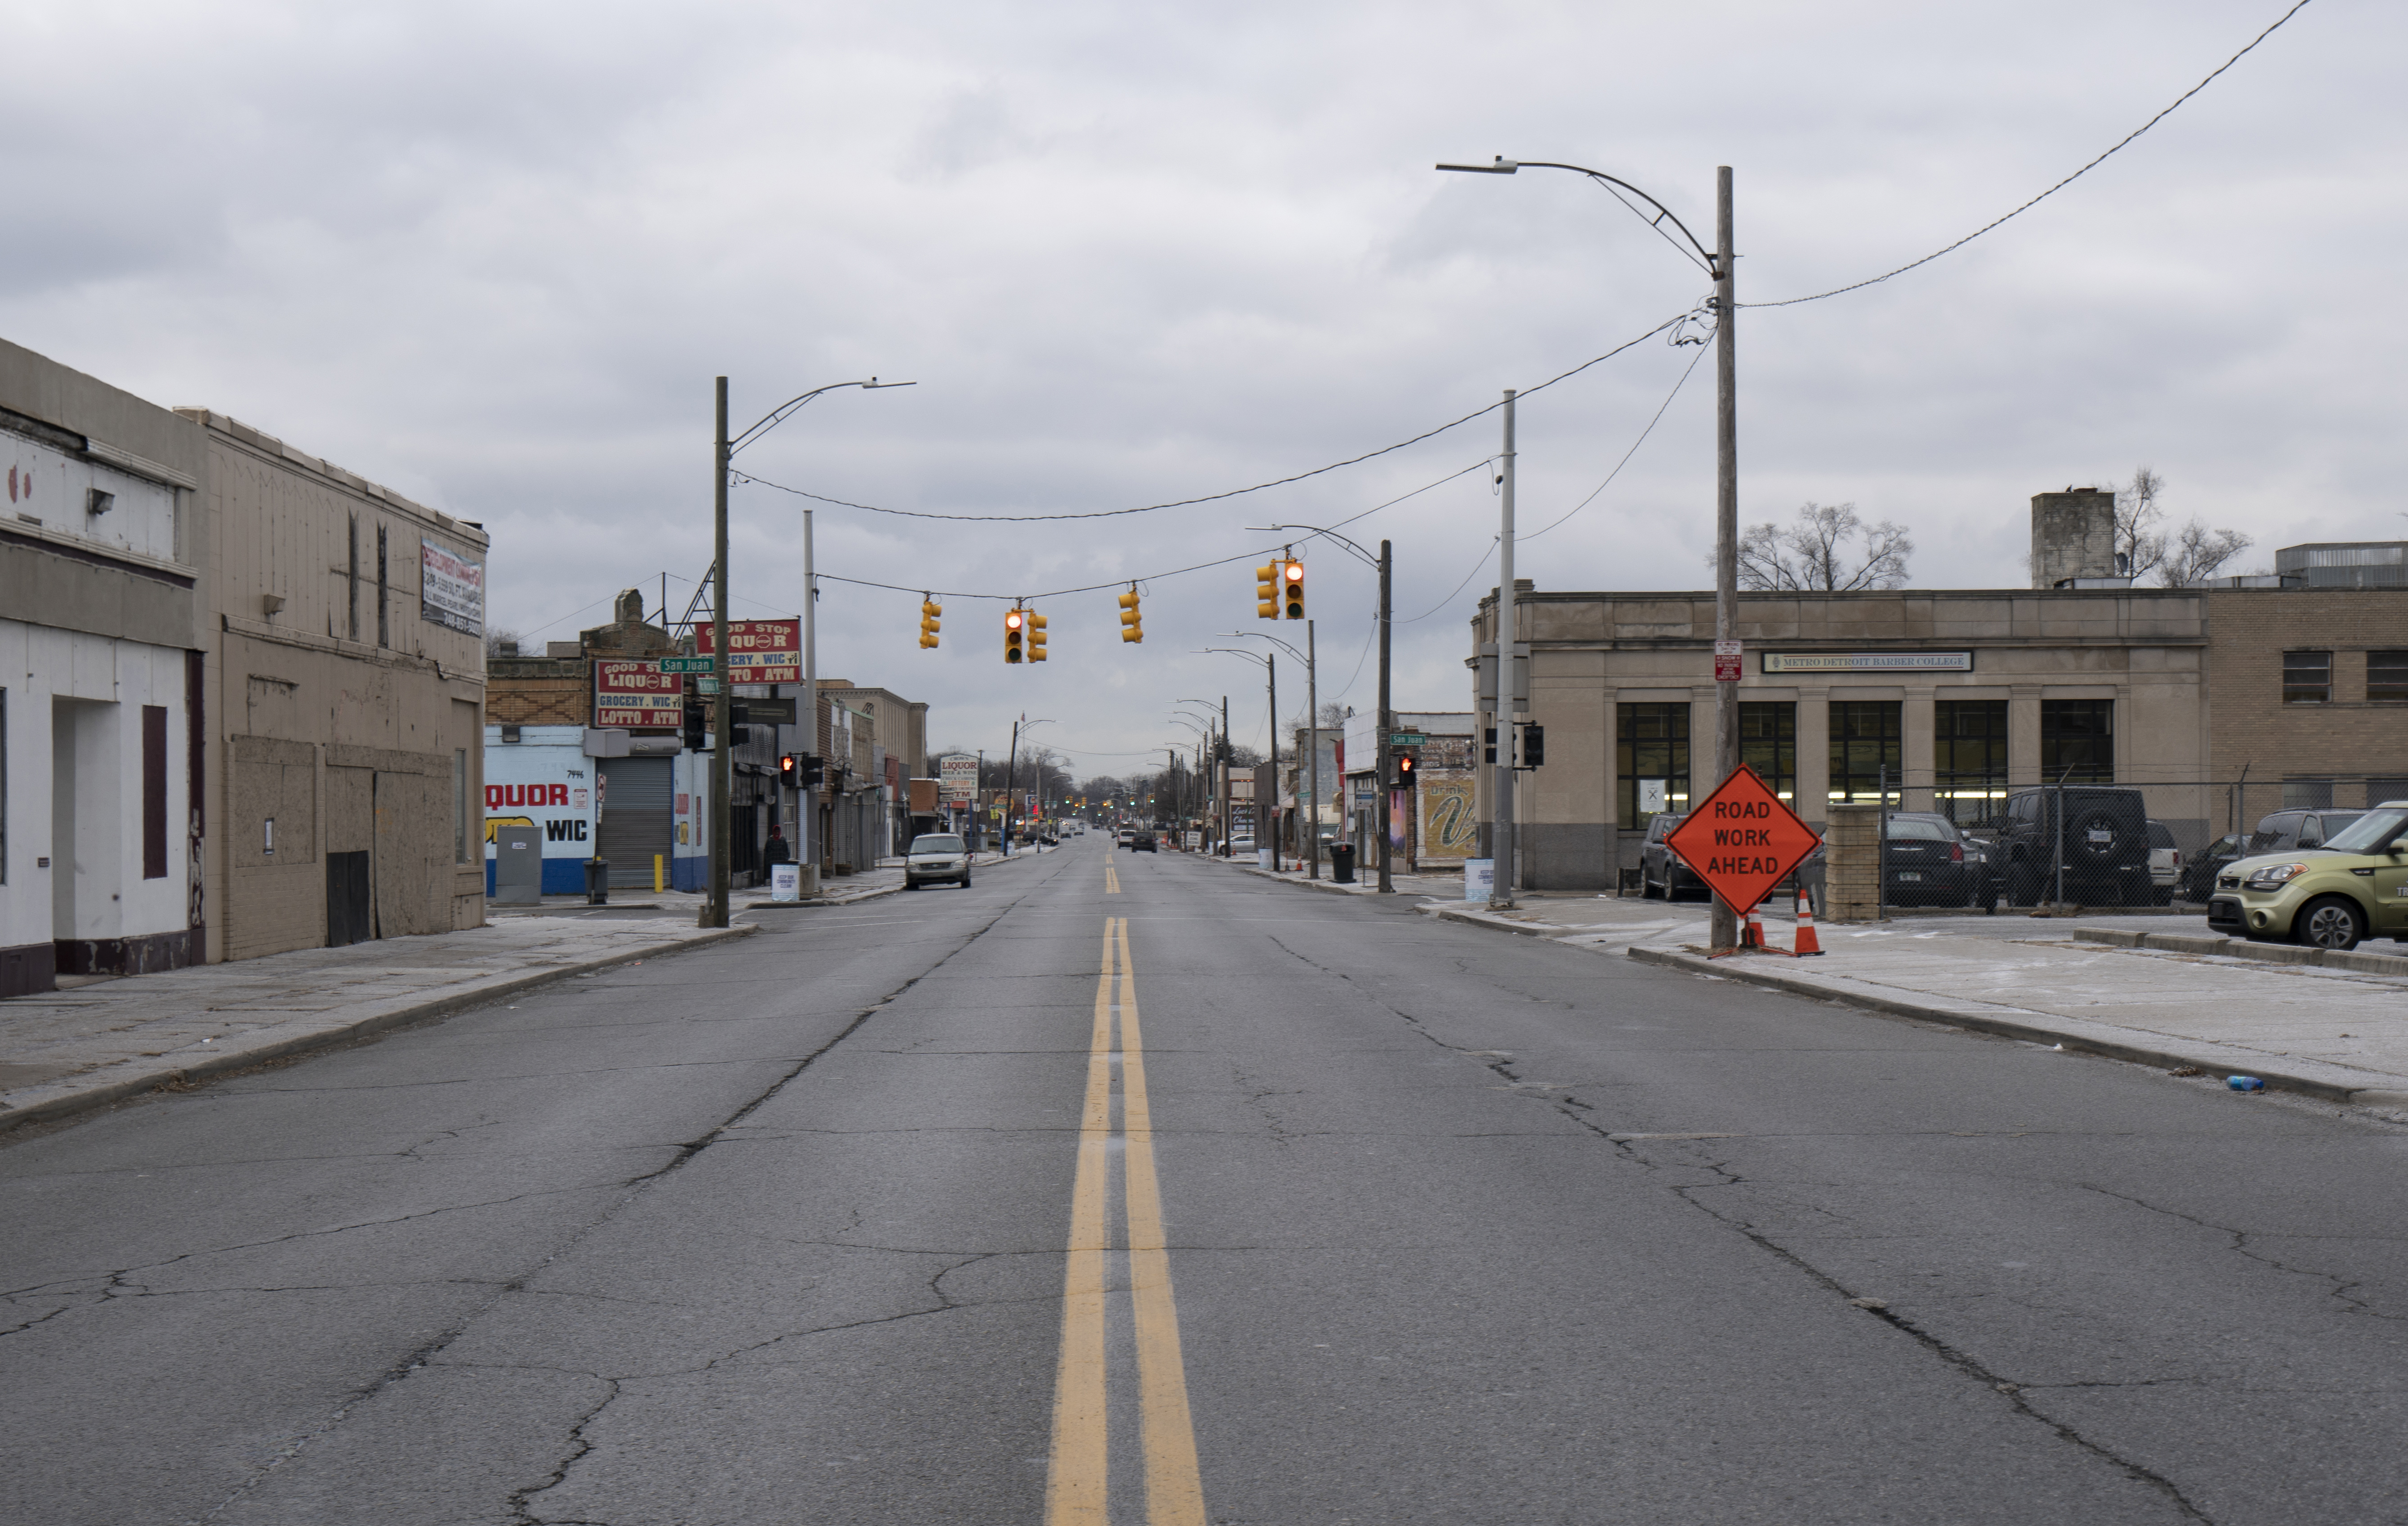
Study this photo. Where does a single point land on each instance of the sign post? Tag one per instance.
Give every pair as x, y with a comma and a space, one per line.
1741, 840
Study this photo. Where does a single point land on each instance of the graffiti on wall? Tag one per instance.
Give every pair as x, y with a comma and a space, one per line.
1448, 827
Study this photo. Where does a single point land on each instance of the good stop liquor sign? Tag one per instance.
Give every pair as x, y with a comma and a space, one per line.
759, 650
1741, 840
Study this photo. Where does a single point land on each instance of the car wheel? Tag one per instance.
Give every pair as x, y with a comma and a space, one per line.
1646, 886
966, 882
2330, 922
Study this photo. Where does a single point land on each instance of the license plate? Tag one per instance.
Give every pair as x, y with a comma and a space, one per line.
1910, 873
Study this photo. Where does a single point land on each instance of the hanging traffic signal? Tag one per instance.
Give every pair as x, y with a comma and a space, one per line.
695, 729
1534, 745
812, 769
1408, 769
1036, 638
1292, 589
1012, 623
790, 771
1132, 625
1267, 580
929, 623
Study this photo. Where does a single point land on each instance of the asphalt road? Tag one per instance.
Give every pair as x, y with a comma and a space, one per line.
1159, 1194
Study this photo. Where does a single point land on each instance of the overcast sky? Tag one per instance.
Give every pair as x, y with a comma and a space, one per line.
494, 255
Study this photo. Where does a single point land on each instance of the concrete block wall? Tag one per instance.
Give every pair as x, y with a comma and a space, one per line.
1852, 860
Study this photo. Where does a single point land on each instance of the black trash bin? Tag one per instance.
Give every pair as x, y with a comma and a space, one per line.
597, 882
1341, 864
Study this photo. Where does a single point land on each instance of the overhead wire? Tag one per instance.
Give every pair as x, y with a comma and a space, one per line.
1840, 291
1627, 454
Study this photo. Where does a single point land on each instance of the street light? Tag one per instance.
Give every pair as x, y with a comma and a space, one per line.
714, 909
1218, 773
1312, 727
1386, 718
1271, 675
1011, 773
1718, 263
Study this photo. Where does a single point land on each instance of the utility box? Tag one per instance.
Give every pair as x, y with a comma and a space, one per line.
518, 865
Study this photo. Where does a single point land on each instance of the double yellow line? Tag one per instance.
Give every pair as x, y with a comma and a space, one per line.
1112, 880
1075, 1480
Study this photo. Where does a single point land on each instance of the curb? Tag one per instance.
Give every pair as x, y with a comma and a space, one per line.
2217, 945
102, 1094
2203, 1053
1501, 924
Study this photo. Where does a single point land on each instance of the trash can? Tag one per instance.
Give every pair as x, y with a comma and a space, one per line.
1341, 864
597, 882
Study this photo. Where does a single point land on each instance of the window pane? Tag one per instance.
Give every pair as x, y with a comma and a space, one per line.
1866, 747
2307, 677
2077, 741
1653, 745
1768, 743
1969, 757
2387, 677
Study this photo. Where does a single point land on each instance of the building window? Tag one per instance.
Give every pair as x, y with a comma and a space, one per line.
1969, 757
2386, 678
2077, 741
1866, 750
459, 805
1653, 761
1768, 743
154, 792
2307, 677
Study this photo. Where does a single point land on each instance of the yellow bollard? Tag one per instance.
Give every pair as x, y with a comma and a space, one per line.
659, 882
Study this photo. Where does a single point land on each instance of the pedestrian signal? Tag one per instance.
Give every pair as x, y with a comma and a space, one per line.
790, 770
1036, 638
929, 623
1267, 581
1012, 623
695, 728
1408, 769
1292, 589
1132, 626
1534, 746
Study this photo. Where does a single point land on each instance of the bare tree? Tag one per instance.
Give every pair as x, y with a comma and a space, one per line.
496, 638
2198, 552
1809, 556
2139, 546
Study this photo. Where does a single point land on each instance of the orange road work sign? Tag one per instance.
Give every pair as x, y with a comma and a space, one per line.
1741, 840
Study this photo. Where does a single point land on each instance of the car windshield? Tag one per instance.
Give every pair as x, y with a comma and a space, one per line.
936, 842
1923, 832
2370, 833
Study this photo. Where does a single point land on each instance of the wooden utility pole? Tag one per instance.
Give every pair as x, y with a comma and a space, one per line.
714, 906
1725, 928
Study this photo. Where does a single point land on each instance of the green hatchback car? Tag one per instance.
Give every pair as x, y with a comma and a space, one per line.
2355, 887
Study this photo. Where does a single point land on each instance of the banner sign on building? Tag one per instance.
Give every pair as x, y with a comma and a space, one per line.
1869, 662
958, 774
758, 650
637, 696
451, 588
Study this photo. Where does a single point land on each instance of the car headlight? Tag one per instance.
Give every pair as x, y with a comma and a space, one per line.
2274, 876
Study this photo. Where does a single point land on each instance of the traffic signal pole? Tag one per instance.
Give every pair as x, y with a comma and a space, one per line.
1725, 926
1271, 675
1387, 723
1313, 741
1500, 834
1228, 810
807, 806
714, 906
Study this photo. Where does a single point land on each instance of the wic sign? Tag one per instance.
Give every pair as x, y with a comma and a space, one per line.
1741, 840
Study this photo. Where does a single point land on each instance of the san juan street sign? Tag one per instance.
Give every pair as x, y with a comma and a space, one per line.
689, 664
1741, 840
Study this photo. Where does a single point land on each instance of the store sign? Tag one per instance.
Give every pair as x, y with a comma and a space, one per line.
957, 773
637, 696
1867, 662
758, 650
451, 588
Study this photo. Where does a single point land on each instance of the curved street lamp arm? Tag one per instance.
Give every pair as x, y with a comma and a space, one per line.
1663, 213
1275, 641
1367, 559
780, 414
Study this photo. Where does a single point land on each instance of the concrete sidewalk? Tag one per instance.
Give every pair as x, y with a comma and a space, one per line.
1447, 887
2335, 1027
101, 1041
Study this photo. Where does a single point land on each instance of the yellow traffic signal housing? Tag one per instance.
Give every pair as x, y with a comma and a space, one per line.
929, 623
1292, 589
1132, 625
1035, 636
1267, 597
1013, 621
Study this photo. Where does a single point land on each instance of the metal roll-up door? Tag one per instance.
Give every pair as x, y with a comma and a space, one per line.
636, 823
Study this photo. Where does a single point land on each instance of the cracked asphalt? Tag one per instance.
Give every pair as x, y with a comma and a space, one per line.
1464, 1228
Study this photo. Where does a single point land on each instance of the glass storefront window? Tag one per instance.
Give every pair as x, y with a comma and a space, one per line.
1867, 746
1652, 761
2077, 734
1768, 743
1969, 757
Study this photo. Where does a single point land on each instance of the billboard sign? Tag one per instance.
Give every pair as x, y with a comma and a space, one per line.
758, 650
637, 696
451, 588
957, 773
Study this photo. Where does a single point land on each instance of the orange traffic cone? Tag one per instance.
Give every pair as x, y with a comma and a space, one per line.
1752, 933
1806, 944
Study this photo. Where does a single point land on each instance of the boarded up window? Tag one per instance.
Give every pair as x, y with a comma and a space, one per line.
154, 792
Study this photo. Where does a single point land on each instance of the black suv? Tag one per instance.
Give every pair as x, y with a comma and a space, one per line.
1141, 842
2105, 836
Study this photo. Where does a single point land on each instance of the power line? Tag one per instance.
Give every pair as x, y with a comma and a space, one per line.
2052, 190
1233, 493
1632, 451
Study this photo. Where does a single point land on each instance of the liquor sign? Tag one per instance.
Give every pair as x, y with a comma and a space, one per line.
958, 774
1726, 661
451, 588
1741, 840
758, 650
637, 696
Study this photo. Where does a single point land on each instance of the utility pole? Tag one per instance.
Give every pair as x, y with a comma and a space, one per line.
1387, 720
808, 851
1501, 844
1228, 810
1312, 740
714, 908
1724, 930
1271, 675
1010, 781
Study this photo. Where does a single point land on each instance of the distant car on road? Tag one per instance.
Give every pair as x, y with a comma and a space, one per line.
937, 857
1141, 842
1123, 837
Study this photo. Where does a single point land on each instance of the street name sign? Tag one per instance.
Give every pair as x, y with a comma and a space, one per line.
689, 664
1406, 738
1741, 840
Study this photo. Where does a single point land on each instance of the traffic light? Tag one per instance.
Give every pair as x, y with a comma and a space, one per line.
1035, 636
1534, 746
1408, 769
810, 768
1132, 625
929, 623
695, 727
1267, 581
1488, 745
790, 771
1013, 621
1292, 589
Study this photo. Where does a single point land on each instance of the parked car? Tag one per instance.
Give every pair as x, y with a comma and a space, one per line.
2103, 831
2201, 869
2351, 887
1122, 838
2165, 863
1661, 873
1932, 862
937, 857
1141, 842
2285, 830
